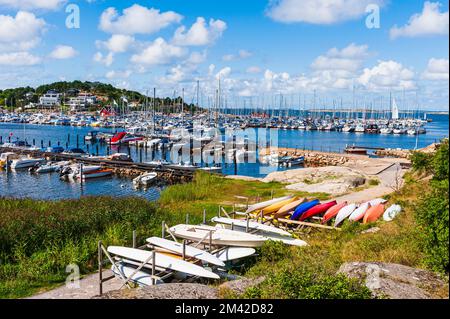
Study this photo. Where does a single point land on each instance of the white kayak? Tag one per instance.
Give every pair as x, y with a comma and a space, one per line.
141, 278
219, 236
261, 205
359, 212
344, 213
251, 225
233, 253
190, 251
162, 261
377, 201
392, 212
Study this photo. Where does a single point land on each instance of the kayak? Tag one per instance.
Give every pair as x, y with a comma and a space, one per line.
275, 207
303, 208
377, 201
359, 213
333, 211
373, 213
317, 210
261, 205
344, 213
286, 209
392, 212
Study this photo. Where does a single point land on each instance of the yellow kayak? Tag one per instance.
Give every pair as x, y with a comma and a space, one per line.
286, 209
275, 207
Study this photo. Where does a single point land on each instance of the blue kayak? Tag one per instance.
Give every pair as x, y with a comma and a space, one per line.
303, 208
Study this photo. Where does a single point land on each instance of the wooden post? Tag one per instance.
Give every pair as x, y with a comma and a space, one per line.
247, 224
187, 219
204, 216
134, 238
210, 240
153, 267
232, 225
184, 249
163, 229
100, 268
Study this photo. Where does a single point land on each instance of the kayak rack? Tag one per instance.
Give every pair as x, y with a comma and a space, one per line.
126, 281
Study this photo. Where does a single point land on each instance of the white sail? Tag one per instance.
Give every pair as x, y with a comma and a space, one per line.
394, 110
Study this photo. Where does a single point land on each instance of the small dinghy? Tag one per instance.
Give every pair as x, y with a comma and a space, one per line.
344, 213
49, 168
145, 179
359, 213
234, 253
317, 210
140, 278
332, 212
303, 208
373, 213
392, 212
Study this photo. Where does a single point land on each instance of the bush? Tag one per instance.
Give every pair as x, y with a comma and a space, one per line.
432, 213
291, 283
420, 161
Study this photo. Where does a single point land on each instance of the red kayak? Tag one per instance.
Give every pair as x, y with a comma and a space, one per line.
332, 212
317, 210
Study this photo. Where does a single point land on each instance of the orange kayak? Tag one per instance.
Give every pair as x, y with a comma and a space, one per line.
286, 209
332, 212
373, 213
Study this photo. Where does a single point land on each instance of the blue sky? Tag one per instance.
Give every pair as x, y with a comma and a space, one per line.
258, 48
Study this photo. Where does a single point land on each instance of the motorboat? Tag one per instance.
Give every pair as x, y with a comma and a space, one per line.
25, 162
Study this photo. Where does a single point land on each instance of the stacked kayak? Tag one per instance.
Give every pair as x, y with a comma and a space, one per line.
288, 208
343, 213
373, 213
317, 210
303, 208
359, 213
332, 212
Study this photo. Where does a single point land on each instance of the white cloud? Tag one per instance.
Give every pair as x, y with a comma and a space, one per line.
158, 52
437, 70
225, 72
18, 59
318, 11
33, 4
21, 32
430, 22
106, 60
196, 58
337, 68
118, 74
253, 70
137, 20
63, 52
388, 75
117, 43
200, 33
242, 54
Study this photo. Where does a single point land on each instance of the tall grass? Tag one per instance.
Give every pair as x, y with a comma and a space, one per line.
38, 239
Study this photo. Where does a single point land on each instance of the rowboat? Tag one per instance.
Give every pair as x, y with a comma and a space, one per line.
392, 212
251, 225
189, 252
162, 261
97, 174
303, 208
332, 212
145, 179
286, 209
344, 213
317, 210
262, 205
359, 213
219, 236
373, 213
